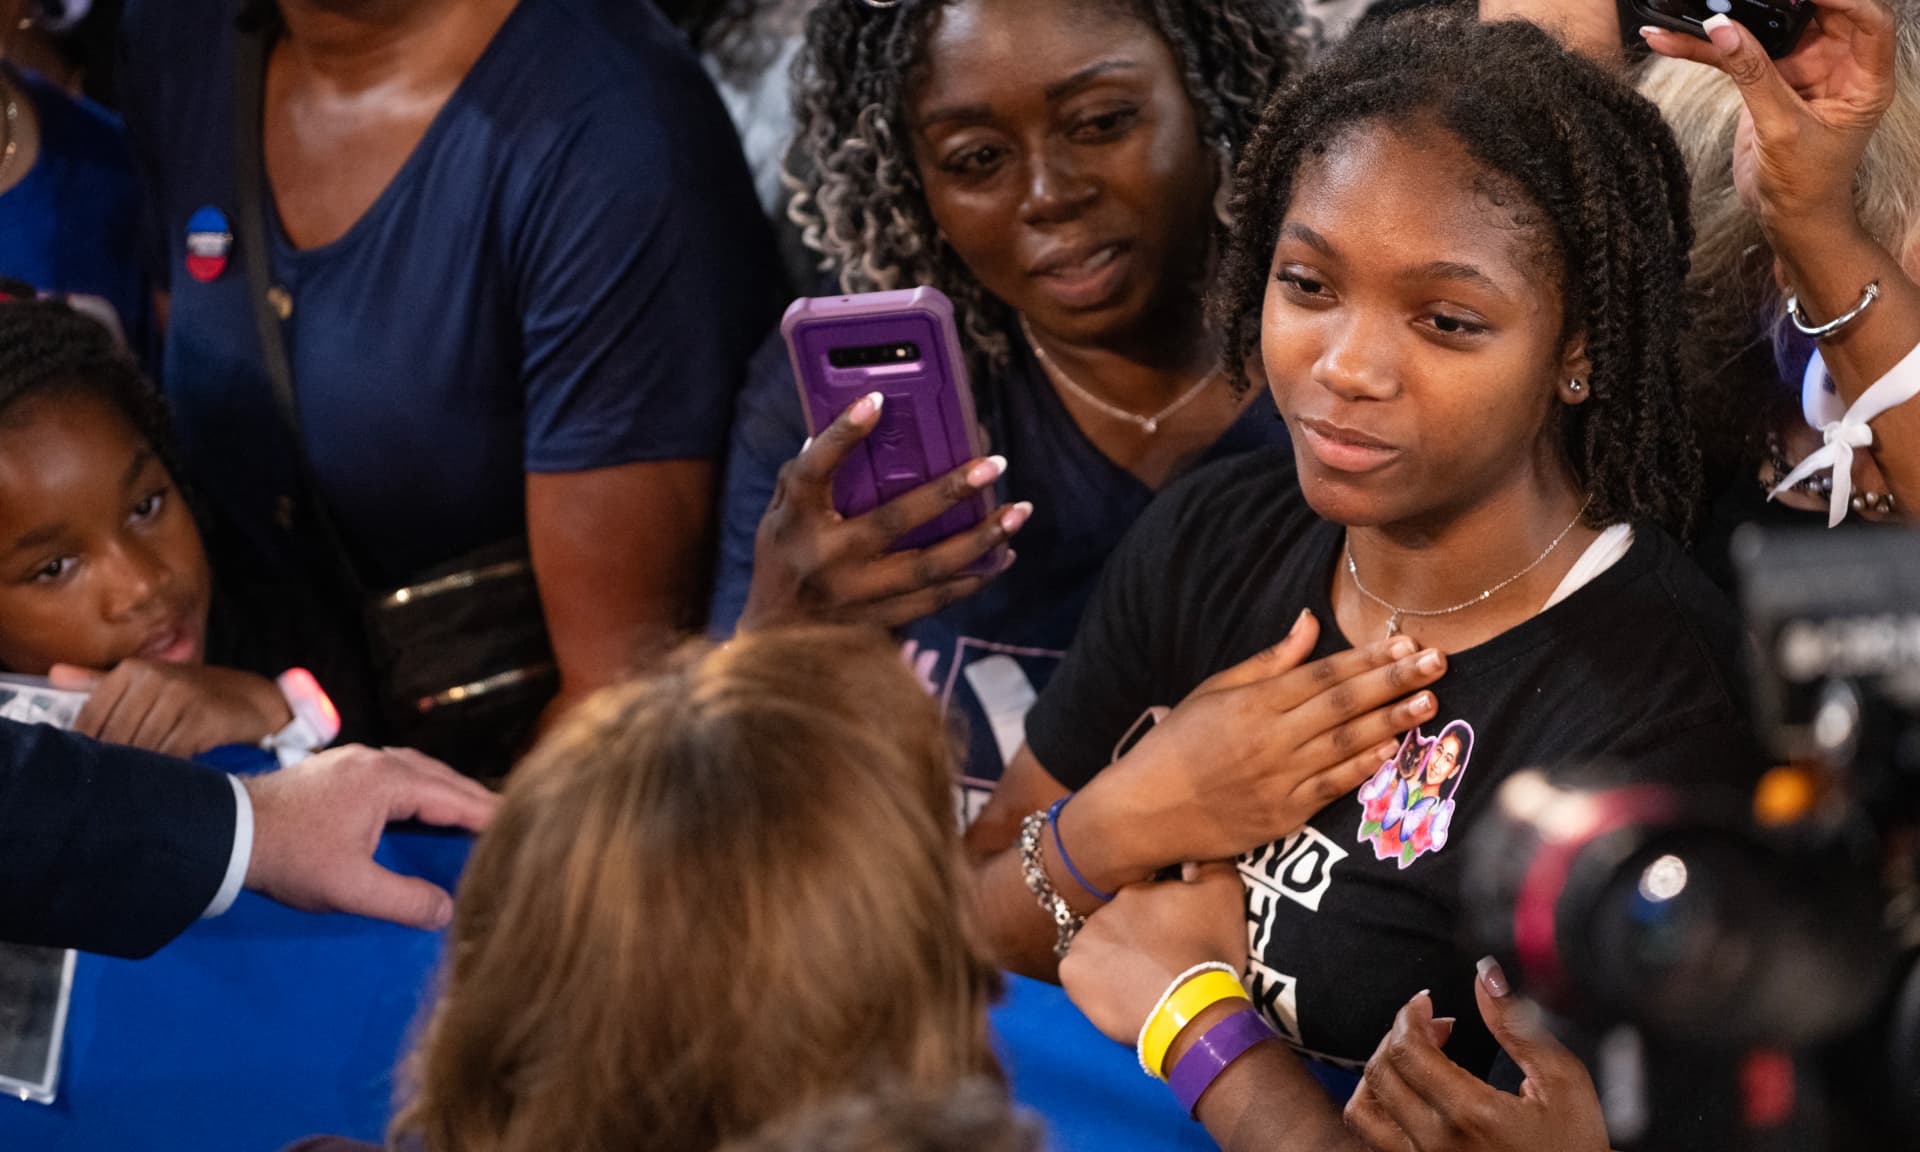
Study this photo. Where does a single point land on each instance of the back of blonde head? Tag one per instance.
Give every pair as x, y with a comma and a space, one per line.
709, 897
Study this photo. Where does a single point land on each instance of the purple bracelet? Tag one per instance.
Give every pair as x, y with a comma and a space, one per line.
1218, 1047
1060, 850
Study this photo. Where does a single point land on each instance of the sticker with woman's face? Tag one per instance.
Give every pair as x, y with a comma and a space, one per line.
1407, 807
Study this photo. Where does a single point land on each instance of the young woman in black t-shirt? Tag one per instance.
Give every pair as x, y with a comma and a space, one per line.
1457, 260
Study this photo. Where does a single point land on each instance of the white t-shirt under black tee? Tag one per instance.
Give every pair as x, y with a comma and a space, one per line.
1361, 909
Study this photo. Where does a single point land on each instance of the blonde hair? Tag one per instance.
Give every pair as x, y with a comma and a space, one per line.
710, 897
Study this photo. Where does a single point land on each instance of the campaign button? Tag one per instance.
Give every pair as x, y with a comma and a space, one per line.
209, 243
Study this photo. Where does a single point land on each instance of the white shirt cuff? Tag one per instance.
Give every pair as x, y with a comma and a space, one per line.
242, 852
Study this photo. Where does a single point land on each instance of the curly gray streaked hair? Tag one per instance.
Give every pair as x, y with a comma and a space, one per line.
858, 199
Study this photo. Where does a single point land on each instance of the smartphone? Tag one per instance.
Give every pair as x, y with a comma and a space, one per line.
1777, 24
904, 346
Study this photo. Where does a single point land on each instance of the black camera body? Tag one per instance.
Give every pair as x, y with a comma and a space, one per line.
1777, 24
1772, 930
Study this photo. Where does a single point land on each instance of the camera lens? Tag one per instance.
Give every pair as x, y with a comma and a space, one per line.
1667, 931
1703, 932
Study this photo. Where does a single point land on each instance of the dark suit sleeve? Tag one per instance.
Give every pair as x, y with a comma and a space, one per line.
104, 848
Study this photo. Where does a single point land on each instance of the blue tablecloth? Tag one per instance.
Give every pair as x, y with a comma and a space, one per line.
266, 1025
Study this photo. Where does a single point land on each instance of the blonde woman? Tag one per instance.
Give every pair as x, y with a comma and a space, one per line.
710, 898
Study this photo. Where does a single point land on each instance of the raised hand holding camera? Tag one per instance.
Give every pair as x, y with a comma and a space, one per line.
1807, 121
1808, 116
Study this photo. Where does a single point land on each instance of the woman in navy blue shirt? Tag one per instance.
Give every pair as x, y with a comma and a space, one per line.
521, 269
1063, 181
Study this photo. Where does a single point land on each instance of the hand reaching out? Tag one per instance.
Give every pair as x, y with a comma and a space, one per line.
317, 823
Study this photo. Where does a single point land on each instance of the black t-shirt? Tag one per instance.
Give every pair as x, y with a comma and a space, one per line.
1361, 909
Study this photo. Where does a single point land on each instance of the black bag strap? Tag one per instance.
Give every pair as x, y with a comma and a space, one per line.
253, 38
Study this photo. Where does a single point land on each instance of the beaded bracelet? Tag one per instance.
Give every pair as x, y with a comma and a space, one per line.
1210, 1055
1191, 993
1066, 922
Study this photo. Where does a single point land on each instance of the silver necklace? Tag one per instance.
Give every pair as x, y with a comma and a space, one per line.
1396, 612
1146, 424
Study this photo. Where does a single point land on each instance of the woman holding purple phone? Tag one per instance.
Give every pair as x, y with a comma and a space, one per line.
1060, 172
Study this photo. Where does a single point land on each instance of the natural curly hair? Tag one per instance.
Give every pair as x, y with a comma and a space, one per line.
48, 348
858, 199
1605, 189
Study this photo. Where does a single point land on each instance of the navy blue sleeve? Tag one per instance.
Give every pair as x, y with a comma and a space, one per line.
768, 430
645, 272
104, 848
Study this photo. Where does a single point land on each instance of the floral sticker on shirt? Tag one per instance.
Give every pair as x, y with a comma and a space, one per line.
1402, 813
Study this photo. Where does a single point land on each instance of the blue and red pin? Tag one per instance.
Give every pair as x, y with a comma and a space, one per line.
209, 243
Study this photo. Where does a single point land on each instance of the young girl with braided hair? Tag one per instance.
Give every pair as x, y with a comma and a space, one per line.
104, 582
1459, 259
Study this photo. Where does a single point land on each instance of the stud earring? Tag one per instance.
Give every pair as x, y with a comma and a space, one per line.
1576, 385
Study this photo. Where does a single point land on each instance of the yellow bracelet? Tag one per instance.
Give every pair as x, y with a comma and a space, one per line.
1187, 1001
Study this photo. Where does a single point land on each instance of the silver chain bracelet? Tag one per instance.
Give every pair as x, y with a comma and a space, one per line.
1066, 922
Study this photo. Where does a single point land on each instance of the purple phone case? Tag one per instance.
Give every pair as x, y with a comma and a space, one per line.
926, 426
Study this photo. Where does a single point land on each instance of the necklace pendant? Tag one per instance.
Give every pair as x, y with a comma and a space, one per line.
1393, 623
1150, 426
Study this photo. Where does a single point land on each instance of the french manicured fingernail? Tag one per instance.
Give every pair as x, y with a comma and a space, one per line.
1422, 992
1648, 31
1492, 976
987, 471
1422, 703
1300, 621
1401, 646
1719, 29
1386, 751
1429, 661
867, 407
1015, 517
